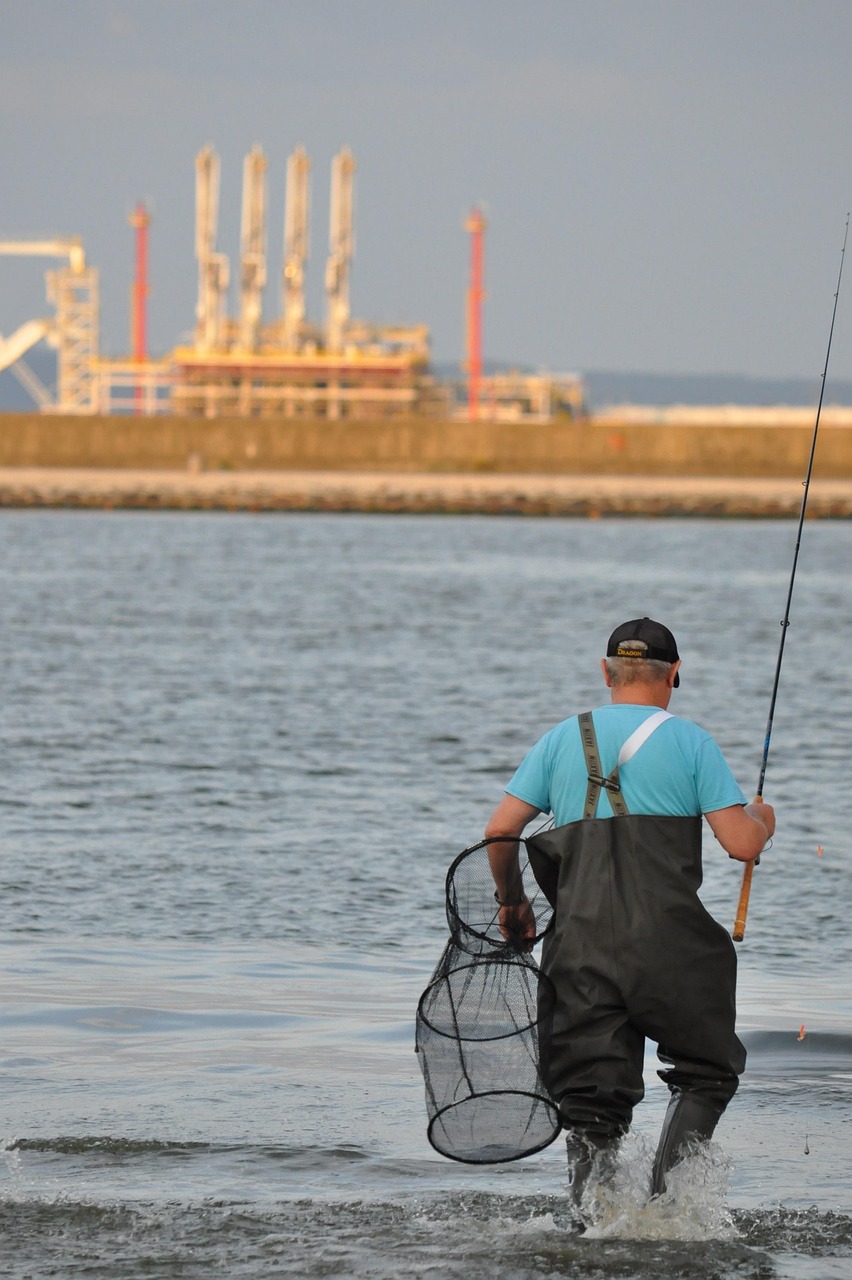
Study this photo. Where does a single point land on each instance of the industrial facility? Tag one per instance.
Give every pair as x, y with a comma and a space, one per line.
240, 366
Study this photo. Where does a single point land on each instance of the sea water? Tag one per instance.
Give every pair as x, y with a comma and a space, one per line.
239, 753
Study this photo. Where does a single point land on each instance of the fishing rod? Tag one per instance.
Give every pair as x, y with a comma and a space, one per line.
745, 891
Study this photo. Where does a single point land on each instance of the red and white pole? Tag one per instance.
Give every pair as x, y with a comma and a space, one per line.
476, 225
140, 220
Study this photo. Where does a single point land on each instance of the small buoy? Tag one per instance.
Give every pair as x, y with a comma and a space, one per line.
807, 1148
820, 851
801, 1034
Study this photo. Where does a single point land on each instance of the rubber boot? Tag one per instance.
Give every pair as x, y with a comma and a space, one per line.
689, 1118
590, 1159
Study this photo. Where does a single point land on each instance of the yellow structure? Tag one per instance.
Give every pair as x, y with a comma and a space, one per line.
291, 368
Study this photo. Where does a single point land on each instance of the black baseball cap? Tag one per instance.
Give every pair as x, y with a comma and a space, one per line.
658, 642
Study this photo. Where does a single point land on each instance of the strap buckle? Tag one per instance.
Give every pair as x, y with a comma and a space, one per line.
598, 780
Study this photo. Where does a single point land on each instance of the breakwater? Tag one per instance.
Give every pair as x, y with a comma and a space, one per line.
592, 446
590, 467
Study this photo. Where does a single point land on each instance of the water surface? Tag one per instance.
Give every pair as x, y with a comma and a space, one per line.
240, 753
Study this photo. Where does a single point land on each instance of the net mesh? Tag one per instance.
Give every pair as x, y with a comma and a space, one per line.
482, 1016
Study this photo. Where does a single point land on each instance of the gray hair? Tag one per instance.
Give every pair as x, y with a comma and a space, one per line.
622, 671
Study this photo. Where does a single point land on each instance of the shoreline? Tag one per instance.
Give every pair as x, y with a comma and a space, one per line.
588, 496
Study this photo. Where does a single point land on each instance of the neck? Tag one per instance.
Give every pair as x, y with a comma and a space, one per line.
641, 694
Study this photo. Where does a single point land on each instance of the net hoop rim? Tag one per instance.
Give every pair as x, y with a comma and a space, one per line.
532, 1150
519, 963
463, 924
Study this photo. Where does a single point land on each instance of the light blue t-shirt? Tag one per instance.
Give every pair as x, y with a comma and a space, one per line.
678, 772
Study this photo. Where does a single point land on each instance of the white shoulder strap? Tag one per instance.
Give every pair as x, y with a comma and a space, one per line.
641, 735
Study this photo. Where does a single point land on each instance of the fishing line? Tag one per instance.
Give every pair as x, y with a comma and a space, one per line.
742, 907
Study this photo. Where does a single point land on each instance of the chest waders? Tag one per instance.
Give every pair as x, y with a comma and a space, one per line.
633, 954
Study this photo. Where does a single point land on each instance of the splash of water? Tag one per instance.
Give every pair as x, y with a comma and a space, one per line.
692, 1208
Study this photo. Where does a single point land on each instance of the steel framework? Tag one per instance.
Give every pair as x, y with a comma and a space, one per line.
74, 330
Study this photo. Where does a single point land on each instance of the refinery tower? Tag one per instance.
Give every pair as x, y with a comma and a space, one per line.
241, 366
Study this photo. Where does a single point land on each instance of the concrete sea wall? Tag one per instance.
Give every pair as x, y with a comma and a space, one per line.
591, 467
587, 447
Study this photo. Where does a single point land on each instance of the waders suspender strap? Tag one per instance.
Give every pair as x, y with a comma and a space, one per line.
596, 778
612, 784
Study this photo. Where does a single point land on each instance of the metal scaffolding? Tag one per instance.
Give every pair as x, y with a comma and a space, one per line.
73, 331
76, 296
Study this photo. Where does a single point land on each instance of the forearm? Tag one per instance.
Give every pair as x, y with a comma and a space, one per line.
505, 867
508, 820
743, 831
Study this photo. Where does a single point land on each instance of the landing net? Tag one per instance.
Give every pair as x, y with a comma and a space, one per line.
482, 1017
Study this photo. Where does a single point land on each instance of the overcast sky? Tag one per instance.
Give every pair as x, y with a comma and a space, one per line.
666, 181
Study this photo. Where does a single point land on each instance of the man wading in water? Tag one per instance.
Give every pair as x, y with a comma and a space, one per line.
632, 952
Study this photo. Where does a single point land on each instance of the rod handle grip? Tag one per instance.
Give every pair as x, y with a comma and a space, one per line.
745, 894
742, 905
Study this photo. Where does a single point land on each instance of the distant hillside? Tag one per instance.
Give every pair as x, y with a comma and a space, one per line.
609, 387
603, 386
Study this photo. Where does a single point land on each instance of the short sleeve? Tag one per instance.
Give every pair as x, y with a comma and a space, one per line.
531, 780
717, 787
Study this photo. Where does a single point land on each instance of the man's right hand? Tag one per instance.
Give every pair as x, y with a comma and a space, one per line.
764, 813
